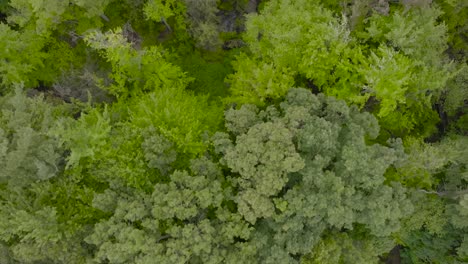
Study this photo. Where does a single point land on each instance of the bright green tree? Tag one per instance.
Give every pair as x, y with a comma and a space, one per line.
393, 66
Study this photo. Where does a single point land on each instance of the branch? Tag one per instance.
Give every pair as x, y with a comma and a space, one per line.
163, 20
448, 194
103, 16
429, 192
163, 238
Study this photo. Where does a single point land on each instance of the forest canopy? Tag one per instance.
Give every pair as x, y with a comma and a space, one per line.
233, 131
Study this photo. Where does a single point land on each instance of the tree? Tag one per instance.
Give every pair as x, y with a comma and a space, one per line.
135, 71
29, 153
436, 230
21, 56
303, 168
204, 23
119, 152
41, 211
390, 61
183, 220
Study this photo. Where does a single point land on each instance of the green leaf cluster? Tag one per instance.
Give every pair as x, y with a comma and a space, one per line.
389, 66
166, 131
286, 160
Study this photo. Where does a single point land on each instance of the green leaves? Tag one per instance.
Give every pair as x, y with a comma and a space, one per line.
85, 136
263, 157
161, 10
416, 33
181, 220
258, 82
344, 248
148, 171
185, 197
42, 15
203, 18
304, 168
20, 57
159, 152
388, 79
388, 67
425, 161
178, 115
135, 72
28, 152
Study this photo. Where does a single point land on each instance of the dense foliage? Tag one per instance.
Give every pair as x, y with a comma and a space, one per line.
233, 131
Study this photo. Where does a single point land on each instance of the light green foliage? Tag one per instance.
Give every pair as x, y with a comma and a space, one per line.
136, 142
158, 10
29, 52
283, 30
394, 80
178, 115
172, 16
416, 33
420, 42
34, 55
389, 80
85, 135
404, 74
29, 48
33, 60
336, 70
20, 57
300, 37
256, 83
135, 71
344, 248
28, 152
122, 161
305, 167
44, 16
161, 131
